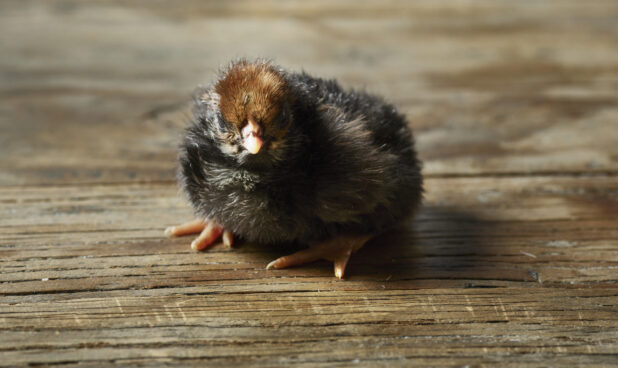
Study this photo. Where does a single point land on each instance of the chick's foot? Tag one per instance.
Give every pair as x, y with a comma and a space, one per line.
337, 250
209, 233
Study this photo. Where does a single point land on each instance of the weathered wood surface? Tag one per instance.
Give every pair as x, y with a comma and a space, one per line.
512, 261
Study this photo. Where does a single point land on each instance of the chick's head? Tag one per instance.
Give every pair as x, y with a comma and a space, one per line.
255, 108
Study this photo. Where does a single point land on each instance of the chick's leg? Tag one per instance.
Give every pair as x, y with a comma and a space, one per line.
209, 232
337, 250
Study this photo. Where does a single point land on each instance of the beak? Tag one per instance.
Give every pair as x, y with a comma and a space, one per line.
252, 137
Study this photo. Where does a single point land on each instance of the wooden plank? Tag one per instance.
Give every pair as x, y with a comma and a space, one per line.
510, 262
320, 327
114, 229
503, 270
490, 87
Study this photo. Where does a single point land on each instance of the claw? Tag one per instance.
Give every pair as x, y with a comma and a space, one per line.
272, 265
340, 263
228, 238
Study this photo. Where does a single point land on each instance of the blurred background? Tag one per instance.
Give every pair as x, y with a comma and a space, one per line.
96, 91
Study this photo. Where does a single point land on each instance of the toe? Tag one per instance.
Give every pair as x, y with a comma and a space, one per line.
340, 263
337, 250
228, 238
190, 227
207, 236
298, 258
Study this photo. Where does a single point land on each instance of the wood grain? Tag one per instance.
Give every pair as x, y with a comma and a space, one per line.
489, 86
510, 262
493, 270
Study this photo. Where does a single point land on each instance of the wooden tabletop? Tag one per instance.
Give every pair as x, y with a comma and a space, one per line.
512, 260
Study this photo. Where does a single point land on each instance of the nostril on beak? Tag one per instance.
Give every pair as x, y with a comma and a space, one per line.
252, 128
252, 137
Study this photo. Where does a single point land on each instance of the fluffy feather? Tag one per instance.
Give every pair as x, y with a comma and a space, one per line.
334, 161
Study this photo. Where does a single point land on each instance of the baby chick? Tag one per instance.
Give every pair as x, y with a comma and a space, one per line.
274, 156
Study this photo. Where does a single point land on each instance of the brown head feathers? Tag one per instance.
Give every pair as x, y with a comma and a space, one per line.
251, 90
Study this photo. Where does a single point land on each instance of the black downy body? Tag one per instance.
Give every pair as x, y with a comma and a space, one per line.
347, 166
